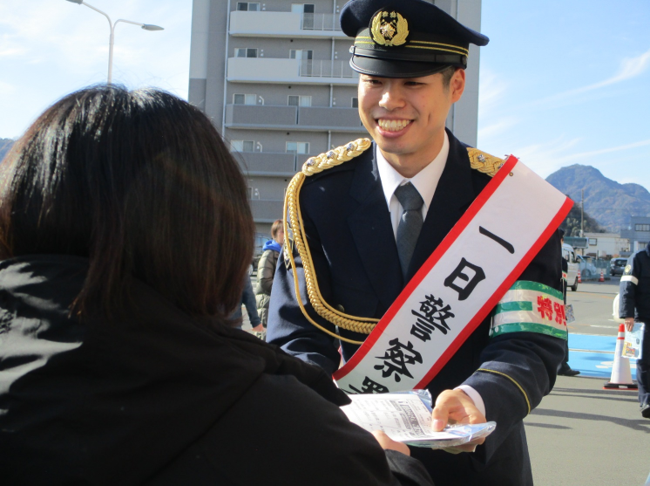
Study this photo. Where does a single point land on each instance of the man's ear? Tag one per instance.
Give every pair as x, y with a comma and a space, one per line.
457, 84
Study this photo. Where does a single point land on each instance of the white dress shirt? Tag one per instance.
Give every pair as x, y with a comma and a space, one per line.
425, 181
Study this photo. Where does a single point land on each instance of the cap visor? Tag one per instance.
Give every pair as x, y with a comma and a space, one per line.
394, 69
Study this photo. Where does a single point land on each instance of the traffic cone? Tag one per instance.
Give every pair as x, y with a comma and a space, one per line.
579, 277
602, 275
621, 378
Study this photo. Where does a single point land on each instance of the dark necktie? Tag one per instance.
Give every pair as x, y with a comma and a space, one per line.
410, 223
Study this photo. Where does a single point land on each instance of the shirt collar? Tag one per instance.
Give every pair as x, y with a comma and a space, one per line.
424, 181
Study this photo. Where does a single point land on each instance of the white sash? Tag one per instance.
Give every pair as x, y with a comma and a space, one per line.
459, 284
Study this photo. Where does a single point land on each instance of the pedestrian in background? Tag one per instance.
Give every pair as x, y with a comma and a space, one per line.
248, 301
266, 269
634, 305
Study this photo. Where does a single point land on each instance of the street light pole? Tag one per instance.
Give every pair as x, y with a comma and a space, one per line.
111, 26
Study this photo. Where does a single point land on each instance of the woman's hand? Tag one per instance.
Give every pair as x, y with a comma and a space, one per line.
387, 443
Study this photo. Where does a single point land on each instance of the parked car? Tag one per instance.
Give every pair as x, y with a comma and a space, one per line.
617, 266
572, 274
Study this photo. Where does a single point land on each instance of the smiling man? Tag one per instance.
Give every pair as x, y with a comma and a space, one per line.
406, 116
362, 222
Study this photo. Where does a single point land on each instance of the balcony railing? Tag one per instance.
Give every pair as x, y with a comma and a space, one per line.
283, 70
326, 69
281, 164
320, 22
284, 23
266, 210
260, 116
267, 162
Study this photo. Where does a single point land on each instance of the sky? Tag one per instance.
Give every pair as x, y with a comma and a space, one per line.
566, 82
561, 82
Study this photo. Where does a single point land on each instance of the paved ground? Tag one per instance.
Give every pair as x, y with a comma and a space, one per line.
583, 435
592, 305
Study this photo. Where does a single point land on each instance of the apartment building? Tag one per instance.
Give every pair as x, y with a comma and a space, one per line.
273, 76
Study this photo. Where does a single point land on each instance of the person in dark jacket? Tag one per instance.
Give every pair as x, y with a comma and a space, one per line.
266, 269
564, 368
125, 235
634, 305
248, 301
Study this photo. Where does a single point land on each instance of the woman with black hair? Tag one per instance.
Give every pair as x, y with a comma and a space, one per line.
125, 234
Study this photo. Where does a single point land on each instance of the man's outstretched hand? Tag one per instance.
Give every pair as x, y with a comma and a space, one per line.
456, 407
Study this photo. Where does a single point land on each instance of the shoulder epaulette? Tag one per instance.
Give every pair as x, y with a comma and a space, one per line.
336, 156
484, 162
295, 237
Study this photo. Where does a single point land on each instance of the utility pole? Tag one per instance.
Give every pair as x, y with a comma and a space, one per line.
582, 214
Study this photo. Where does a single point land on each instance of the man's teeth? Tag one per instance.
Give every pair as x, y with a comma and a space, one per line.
392, 125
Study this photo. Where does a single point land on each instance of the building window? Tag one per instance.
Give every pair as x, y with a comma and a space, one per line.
245, 52
307, 11
298, 147
355, 102
299, 100
242, 146
248, 6
642, 227
244, 99
593, 241
305, 57
302, 7
301, 54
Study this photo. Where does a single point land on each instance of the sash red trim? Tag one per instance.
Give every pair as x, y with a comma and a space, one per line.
446, 243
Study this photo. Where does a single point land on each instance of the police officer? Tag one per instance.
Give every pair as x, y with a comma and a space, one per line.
348, 258
634, 305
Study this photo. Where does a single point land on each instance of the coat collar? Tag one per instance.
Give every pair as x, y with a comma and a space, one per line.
372, 231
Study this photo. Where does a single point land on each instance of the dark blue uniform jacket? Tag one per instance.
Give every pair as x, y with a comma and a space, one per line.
635, 287
353, 247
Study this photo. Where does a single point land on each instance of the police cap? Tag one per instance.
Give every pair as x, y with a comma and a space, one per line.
405, 38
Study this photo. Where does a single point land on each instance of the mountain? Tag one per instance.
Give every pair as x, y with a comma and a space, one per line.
610, 203
5, 145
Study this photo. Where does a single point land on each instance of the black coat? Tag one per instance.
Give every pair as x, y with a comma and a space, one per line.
159, 398
354, 253
635, 288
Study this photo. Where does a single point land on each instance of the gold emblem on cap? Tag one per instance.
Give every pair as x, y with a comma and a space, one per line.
389, 29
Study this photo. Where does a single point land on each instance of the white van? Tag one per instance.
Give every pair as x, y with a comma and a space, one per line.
572, 275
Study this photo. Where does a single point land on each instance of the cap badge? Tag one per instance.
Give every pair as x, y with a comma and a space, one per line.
389, 29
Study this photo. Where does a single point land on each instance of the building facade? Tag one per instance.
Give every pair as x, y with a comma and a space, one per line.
273, 76
638, 232
605, 245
